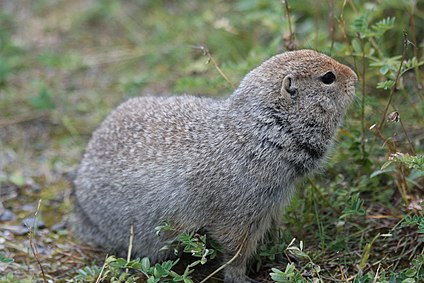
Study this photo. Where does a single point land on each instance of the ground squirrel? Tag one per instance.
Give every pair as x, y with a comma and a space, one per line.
223, 166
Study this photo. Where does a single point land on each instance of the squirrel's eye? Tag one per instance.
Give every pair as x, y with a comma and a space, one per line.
328, 78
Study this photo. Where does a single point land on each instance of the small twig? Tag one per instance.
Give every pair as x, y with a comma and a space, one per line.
413, 252
400, 179
400, 257
363, 99
228, 262
23, 118
317, 19
386, 141
315, 187
37, 258
119, 55
376, 47
342, 23
403, 183
33, 246
392, 90
130, 245
332, 24
376, 274
353, 6
342, 273
99, 278
414, 40
286, 5
289, 41
207, 53
407, 136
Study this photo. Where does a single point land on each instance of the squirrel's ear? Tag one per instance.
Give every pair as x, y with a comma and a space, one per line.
288, 86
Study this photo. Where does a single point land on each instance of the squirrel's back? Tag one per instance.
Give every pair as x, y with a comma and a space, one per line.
153, 124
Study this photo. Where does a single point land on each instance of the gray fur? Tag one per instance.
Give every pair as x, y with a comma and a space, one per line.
223, 166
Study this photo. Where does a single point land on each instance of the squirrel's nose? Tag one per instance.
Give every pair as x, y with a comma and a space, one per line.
355, 76
348, 73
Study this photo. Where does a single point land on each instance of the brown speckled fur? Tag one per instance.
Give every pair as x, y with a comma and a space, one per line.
223, 166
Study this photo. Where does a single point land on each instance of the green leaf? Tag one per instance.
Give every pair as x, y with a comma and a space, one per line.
153, 280
360, 24
354, 208
382, 26
160, 271
411, 161
386, 84
283, 277
134, 264
356, 45
18, 179
379, 172
384, 69
410, 272
145, 264
118, 263
386, 164
4, 259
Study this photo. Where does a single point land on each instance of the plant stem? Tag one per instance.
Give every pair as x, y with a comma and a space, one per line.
414, 40
290, 42
392, 90
228, 262
322, 197
332, 25
99, 278
407, 137
32, 244
363, 100
130, 245
211, 59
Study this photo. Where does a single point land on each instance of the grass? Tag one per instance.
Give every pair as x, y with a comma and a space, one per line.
65, 64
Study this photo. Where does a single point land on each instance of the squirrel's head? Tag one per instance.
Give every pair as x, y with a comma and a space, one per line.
302, 93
